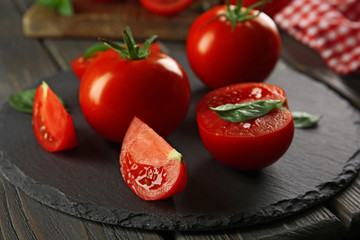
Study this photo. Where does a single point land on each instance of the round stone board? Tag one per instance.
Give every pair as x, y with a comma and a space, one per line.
86, 181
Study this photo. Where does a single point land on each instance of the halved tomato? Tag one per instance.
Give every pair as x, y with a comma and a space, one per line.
52, 125
149, 165
248, 145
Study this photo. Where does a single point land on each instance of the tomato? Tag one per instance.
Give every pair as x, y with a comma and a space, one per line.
149, 165
114, 89
80, 64
165, 7
271, 8
248, 145
220, 55
52, 125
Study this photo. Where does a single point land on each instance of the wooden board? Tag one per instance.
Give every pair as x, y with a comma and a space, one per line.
93, 19
86, 181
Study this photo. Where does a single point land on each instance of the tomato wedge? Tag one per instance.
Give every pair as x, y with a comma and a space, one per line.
149, 165
249, 145
52, 125
165, 7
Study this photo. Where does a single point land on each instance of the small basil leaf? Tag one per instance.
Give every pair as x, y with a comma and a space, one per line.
305, 120
99, 47
243, 112
24, 101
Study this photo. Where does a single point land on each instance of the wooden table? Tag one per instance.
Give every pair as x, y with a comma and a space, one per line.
25, 61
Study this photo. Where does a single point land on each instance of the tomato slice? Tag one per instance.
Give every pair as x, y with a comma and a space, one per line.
149, 165
253, 144
52, 125
166, 7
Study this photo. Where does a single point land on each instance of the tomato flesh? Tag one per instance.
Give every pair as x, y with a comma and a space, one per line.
52, 125
249, 145
165, 7
149, 165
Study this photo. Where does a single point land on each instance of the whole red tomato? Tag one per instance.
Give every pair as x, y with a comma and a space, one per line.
271, 7
222, 51
165, 7
114, 89
251, 144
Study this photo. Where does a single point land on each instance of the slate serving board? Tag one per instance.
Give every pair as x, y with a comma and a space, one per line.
86, 181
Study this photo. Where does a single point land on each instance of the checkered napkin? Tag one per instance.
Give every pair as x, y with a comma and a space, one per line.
332, 27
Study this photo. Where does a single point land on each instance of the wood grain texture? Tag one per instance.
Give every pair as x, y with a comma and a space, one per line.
93, 19
317, 223
346, 206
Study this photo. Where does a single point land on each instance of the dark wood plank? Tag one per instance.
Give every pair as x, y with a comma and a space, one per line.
6, 227
23, 60
318, 223
346, 206
19, 219
48, 223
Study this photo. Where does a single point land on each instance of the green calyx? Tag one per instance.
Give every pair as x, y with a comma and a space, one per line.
130, 50
239, 14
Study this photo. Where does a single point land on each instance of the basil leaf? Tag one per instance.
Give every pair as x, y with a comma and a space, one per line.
99, 47
62, 7
243, 112
24, 101
305, 120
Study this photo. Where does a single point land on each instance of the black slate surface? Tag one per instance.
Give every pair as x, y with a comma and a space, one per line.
86, 181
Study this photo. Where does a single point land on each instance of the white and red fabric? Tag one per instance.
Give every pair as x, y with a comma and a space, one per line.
332, 27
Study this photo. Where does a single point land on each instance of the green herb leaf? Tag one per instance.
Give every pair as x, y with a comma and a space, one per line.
98, 47
62, 7
305, 120
24, 101
243, 112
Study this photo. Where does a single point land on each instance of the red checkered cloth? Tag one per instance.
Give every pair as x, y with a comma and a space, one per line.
332, 27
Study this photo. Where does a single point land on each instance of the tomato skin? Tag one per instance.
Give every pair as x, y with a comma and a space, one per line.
147, 164
52, 125
250, 145
270, 9
165, 7
79, 64
220, 56
113, 90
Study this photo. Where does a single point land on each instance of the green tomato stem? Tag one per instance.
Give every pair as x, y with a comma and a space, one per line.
130, 50
240, 14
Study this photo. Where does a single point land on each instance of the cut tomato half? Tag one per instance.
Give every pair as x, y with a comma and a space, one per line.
52, 125
166, 7
248, 145
149, 165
